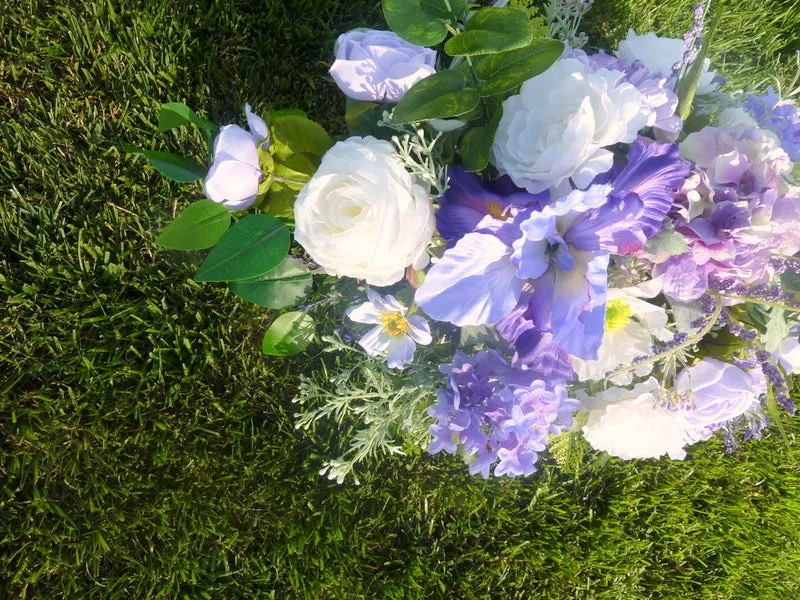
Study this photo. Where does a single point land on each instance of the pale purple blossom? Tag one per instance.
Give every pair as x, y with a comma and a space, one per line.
498, 415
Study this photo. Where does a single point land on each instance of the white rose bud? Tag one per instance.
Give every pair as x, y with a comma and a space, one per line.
362, 215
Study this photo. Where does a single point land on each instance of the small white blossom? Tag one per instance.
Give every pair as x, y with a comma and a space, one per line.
396, 335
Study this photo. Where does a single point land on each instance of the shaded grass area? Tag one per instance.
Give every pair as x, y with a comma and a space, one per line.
147, 450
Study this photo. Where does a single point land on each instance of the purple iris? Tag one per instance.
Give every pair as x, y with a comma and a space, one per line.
469, 200
556, 255
499, 415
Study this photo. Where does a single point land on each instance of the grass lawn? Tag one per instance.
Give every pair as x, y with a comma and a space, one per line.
148, 450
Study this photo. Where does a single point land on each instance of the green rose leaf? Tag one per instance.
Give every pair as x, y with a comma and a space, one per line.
475, 145
295, 171
171, 166
506, 71
439, 96
175, 114
492, 30
196, 227
289, 334
279, 201
277, 288
253, 246
287, 112
413, 23
295, 134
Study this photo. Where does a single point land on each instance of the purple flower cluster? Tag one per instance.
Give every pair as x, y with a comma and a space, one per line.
780, 116
499, 415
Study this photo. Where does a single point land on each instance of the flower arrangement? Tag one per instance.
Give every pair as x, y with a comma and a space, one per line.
523, 245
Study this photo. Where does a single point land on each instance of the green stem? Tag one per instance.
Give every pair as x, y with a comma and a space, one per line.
759, 301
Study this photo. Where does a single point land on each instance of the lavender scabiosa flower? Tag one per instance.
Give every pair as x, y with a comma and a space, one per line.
500, 416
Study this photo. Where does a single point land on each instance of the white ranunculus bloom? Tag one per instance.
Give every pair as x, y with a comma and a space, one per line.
631, 324
556, 128
363, 215
630, 424
660, 54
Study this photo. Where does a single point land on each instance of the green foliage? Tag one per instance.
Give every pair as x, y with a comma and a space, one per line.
255, 245
475, 145
506, 71
296, 134
277, 288
171, 166
444, 94
417, 21
687, 85
491, 30
289, 334
198, 226
176, 114
147, 451
668, 242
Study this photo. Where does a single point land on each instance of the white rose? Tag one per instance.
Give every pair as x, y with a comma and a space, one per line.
630, 424
660, 54
362, 215
556, 128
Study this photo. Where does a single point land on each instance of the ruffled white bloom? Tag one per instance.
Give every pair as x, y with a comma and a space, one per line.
235, 173
631, 324
660, 54
630, 424
556, 128
363, 215
396, 335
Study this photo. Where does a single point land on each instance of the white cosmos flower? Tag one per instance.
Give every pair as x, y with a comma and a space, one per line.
630, 423
631, 324
557, 127
396, 335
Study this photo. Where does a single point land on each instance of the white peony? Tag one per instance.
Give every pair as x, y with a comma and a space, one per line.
660, 54
363, 215
556, 128
630, 424
631, 324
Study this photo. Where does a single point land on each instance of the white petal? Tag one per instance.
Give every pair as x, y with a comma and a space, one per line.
236, 143
375, 342
401, 351
258, 128
419, 330
232, 183
363, 313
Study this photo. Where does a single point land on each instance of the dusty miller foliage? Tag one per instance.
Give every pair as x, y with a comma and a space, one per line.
382, 411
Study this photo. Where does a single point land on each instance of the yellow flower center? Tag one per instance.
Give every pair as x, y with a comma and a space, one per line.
618, 313
393, 323
497, 211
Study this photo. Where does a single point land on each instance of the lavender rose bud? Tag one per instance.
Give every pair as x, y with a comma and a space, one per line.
718, 391
235, 174
379, 66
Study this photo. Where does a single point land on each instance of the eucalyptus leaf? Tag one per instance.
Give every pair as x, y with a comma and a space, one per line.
506, 71
790, 281
171, 166
492, 30
277, 288
198, 226
253, 246
413, 23
289, 334
439, 96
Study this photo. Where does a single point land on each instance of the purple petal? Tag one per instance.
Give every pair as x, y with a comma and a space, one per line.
654, 172
474, 283
612, 227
